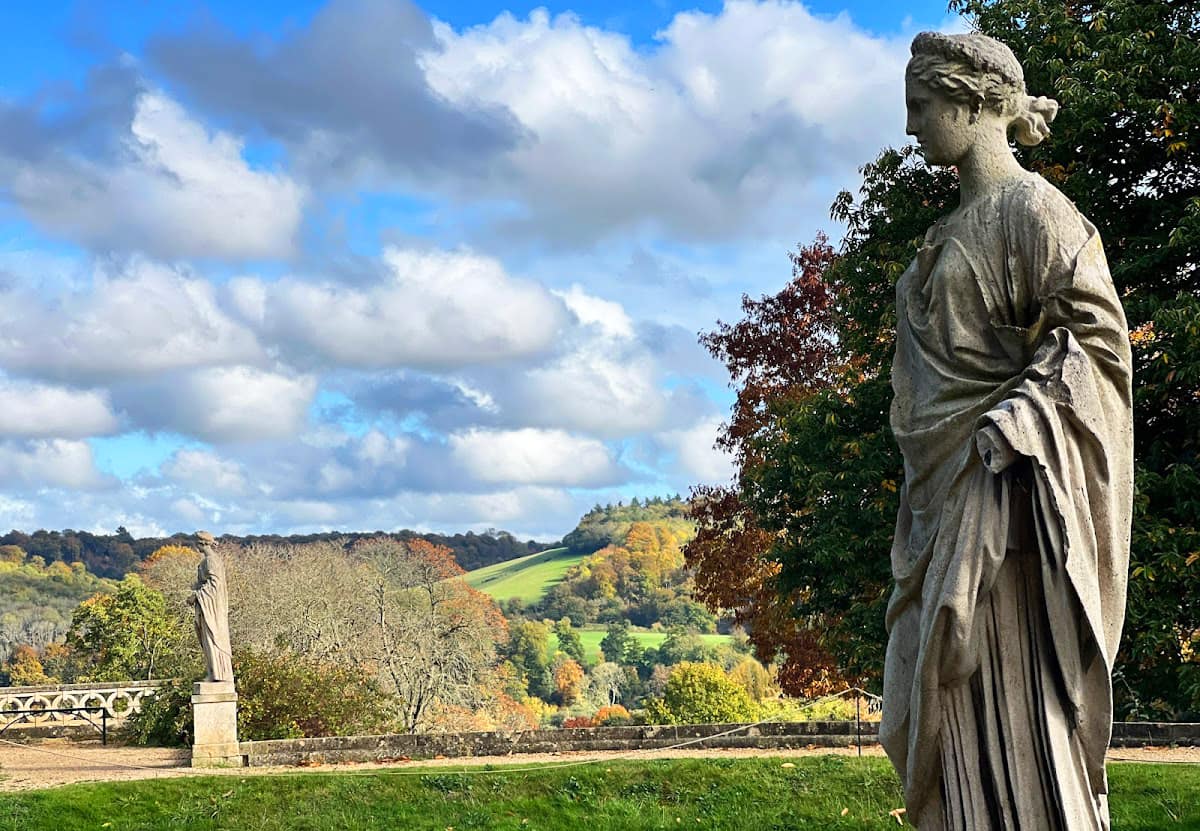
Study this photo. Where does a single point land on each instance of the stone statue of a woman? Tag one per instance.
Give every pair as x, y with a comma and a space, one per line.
1013, 411
211, 604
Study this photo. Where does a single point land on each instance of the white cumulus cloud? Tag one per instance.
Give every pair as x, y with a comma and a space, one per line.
62, 463
433, 309
696, 454
178, 191
38, 410
223, 404
717, 131
144, 318
533, 457
205, 471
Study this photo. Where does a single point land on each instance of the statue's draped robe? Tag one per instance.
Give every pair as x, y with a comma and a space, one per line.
1010, 587
212, 620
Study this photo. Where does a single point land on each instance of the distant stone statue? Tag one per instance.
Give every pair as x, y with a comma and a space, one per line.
211, 603
1013, 411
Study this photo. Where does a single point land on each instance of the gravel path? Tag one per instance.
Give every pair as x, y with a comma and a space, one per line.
60, 762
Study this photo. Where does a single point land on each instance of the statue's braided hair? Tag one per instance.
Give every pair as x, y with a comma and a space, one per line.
976, 67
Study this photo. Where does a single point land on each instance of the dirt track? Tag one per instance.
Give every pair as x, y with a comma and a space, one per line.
60, 762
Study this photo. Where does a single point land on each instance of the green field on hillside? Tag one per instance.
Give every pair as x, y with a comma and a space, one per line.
591, 637
525, 578
825, 793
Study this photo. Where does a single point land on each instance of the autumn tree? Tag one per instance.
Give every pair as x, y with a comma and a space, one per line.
433, 637
24, 667
781, 351
126, 635
398, 611
755, 679
568, 680
606, 684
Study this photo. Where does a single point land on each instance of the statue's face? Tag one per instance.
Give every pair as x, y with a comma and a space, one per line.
942, 126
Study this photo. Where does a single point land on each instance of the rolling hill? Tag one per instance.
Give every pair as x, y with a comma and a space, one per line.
525, 578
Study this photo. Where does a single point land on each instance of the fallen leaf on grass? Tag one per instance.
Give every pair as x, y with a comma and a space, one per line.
898, 814
845, 811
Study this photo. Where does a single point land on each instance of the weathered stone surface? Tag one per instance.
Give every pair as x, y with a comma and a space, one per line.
210, 601
375, 748
1013, 411
775, 736
214, 710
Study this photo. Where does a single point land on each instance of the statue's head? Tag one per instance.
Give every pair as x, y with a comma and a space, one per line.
960, 86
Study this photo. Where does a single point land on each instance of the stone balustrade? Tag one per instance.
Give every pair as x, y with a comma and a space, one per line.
119, 700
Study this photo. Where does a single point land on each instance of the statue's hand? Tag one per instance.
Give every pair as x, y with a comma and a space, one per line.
994, 449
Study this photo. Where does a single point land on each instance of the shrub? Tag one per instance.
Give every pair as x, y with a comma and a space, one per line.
165, 719
287, 695
578, 721
700, 694
612, 715
826, 709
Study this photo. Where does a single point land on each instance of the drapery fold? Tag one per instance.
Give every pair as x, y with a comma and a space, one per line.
1008, 322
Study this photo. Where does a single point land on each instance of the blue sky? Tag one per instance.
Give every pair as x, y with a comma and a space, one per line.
364, 264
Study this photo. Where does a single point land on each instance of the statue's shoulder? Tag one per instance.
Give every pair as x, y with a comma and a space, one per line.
1034, 206
1033, 210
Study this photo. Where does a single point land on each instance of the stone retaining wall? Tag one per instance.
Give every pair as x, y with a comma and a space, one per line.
1155, 734
642, 737
773, 736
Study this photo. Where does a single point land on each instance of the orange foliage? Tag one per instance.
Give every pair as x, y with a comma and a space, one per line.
568, 679
25, 668
164, 552
611, 714
437, 559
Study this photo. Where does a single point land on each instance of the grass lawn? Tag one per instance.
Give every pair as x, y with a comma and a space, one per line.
830, 793
526, 578
592, 636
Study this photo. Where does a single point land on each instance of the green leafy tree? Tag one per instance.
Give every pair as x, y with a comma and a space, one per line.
125, 635
616, 641
569, 640
282, 695
680, 646
819, 468
1126, 149
286, 695
701, 694
528, 645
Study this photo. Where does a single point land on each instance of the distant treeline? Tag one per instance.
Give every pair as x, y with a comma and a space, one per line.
114, 555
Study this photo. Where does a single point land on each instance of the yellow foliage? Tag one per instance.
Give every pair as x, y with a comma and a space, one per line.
164, 552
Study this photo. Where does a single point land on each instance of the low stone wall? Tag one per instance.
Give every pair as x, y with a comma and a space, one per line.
643, 737
774, 736
1155, 734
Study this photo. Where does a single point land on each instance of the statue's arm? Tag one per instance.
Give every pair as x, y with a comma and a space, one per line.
1058, 259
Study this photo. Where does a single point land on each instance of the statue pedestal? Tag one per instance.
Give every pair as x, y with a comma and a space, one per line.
214, 712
